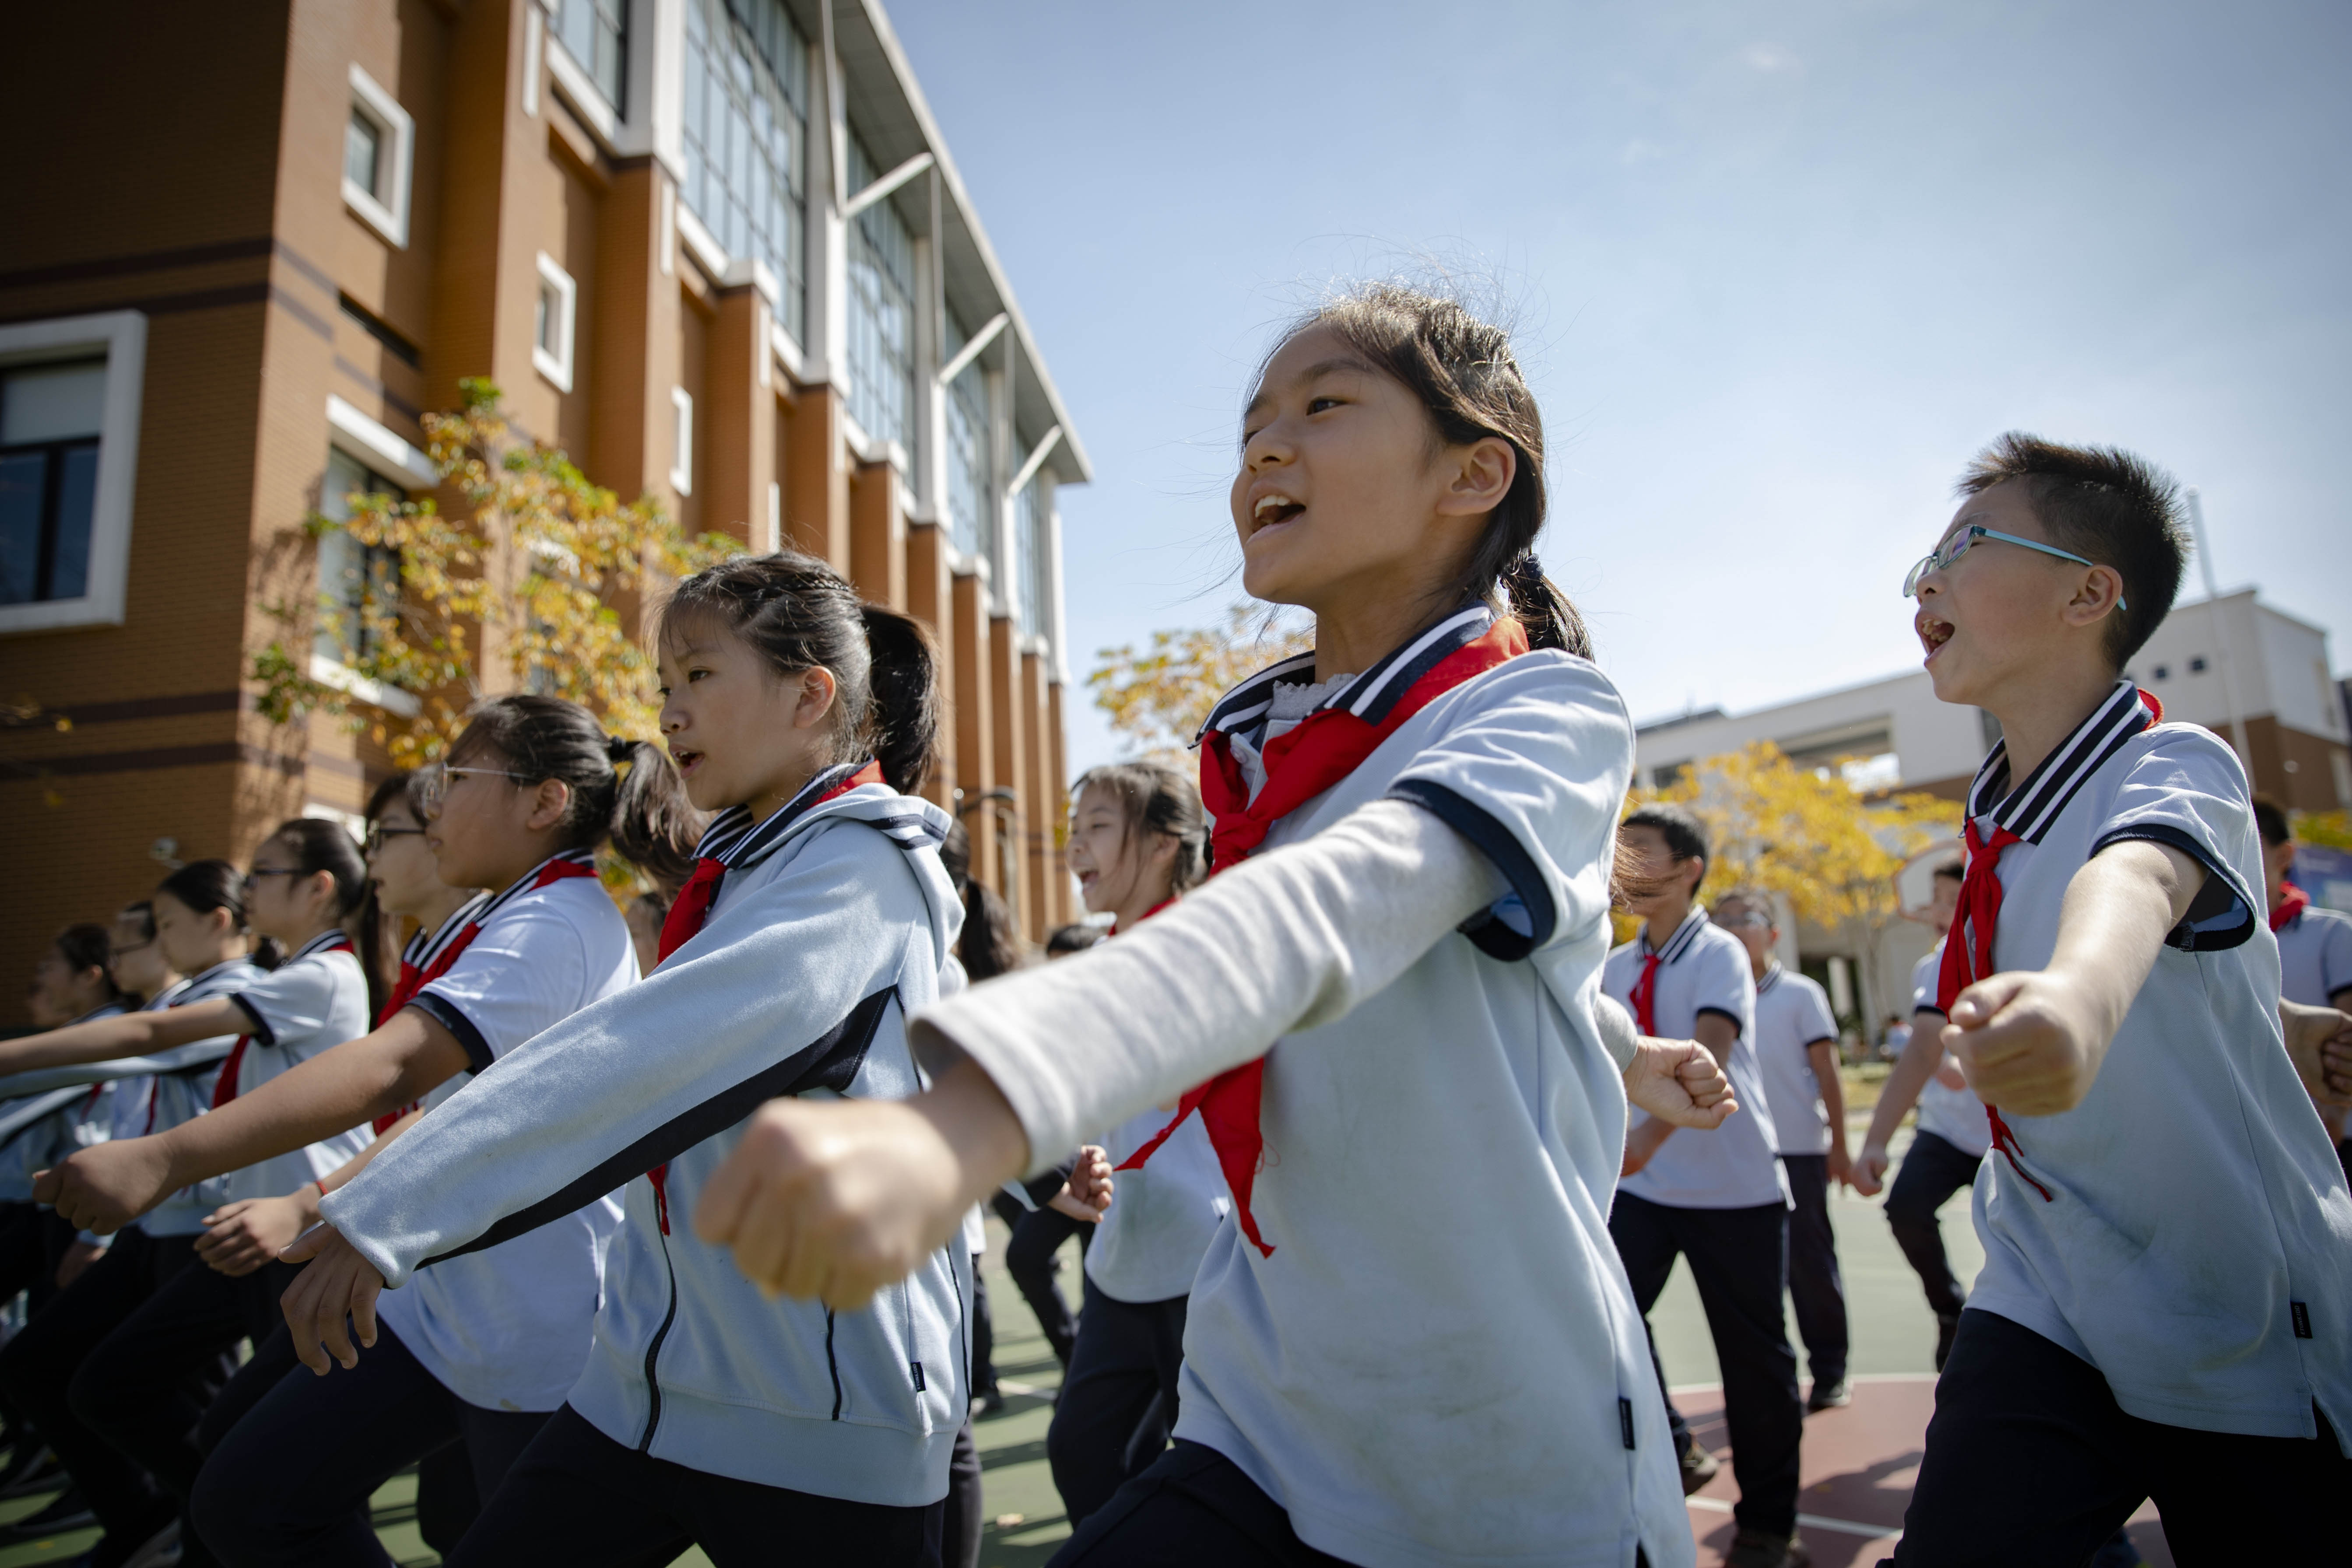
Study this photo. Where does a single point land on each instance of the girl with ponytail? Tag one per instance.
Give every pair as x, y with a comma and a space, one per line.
1391, 981
815, 915
487, 1346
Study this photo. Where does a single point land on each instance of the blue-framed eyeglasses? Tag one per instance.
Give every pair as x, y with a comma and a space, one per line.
1959, 543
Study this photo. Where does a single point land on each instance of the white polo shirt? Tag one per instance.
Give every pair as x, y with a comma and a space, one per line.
1704, 969
1792, 1014
2315, 955
1149, 1242
168, 1098
1955, 1115
2195, 1244
313, 1002
509, 1327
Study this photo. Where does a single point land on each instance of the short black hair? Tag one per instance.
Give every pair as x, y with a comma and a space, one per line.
2109, 505
1953, 871
1070, 939
2270, 819
1686, 839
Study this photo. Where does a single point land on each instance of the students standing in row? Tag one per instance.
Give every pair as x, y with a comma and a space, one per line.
1417, 1100
2167, 1234
1797, 1061
817, 916
1138, 842
2315, 944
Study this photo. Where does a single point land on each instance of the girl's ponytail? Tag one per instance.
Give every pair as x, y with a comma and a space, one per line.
654, 825
902, 721
1543, 610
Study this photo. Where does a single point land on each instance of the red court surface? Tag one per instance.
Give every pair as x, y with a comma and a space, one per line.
1858, 1467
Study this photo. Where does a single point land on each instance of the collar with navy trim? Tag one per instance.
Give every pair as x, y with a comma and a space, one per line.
325, 941
1772, 973
2029, 810
735, 841
427, 945
1368, 696
1678, 943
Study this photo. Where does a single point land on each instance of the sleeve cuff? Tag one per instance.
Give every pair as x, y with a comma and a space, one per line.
2222, 916
262, 1030
1489, 929
444, 1012
1737, 1028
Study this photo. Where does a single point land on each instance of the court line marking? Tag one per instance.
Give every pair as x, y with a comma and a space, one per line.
1810, 1521
1858, 1377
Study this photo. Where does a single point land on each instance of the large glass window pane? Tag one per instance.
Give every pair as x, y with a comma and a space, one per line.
881, 313
362, 151
971, 510
50, 421
746, 129
24, 481
1030, 567
76, 502
52, 402
355, 580
596, 34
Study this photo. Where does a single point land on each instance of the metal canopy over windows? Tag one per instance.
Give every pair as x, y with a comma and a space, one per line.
357, 582
971, 501
49, 420
596, 32
881, 346
746, 135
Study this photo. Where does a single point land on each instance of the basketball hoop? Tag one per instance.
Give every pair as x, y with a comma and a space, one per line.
1914, 880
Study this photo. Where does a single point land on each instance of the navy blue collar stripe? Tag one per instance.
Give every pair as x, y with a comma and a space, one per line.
1771, 978
733, 840
1368, 696
2029, 809
427, 945
1680, 942
317, 944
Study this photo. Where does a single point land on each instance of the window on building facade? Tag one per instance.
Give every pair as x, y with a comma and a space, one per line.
971, 500
596, 34
881, 349
552, 323
746, 133
51, 420
357, 583
1032, 568
379, 142
681, 462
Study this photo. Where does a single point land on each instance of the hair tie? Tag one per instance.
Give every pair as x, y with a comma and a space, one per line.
619, 749
1526, 569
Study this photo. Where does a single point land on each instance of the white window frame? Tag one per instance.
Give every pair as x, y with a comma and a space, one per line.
681, 463
385, 210
121, 337
556, 363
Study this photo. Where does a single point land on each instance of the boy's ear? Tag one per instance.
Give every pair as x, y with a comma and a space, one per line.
2099, 594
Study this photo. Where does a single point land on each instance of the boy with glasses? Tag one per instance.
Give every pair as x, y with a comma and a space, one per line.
2167, 1237
1797, 1051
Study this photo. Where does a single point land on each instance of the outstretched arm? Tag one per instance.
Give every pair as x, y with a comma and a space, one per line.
2032, 1041
125, 1034
105, 1186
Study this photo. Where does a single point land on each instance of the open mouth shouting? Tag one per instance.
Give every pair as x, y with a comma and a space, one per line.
1934, 633
1272, 511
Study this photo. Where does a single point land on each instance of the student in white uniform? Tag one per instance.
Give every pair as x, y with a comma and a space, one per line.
1796, 1057
42, 1120
1720, 1200
1950, 1142
817, 913
1415, 1093
1138, 842
306, 880
2168, 1235
2315, 944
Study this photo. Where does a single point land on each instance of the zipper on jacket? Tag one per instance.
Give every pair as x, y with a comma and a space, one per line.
653, 1354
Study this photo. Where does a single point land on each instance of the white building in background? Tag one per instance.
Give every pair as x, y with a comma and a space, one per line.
2254, 675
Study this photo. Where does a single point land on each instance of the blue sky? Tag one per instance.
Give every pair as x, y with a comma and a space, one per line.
1776, 271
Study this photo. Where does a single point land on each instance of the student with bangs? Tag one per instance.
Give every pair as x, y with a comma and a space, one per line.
816, 915
126, 1375
487, 1346
2168, 1235
1390, 987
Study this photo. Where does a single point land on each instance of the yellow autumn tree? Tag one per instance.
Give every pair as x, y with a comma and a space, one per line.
541, 567
1808, 834
1156, 697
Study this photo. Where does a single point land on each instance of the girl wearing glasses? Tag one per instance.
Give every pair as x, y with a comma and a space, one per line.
485, 1346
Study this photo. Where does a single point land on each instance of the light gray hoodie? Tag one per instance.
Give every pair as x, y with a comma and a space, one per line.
832, 922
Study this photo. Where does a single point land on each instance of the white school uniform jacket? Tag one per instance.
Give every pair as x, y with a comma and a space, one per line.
831, 921
1437, 1175
2315, 955
1703, 968
1792, 1014
2196, 1242
1147, 1244
49, 1120
313, 1002
1955, 1115
509, 1327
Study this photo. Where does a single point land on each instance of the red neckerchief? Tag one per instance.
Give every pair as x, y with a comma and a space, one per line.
414, 979
225, 1087
1967, 948
1645, 996
2292, 902
1116, 928
684, 922
1300, 763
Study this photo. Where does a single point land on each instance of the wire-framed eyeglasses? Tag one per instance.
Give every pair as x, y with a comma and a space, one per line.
1963, 541
433, 782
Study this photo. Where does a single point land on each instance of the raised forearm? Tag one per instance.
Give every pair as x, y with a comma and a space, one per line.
2118, 908
100, 1039
1913, 1068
